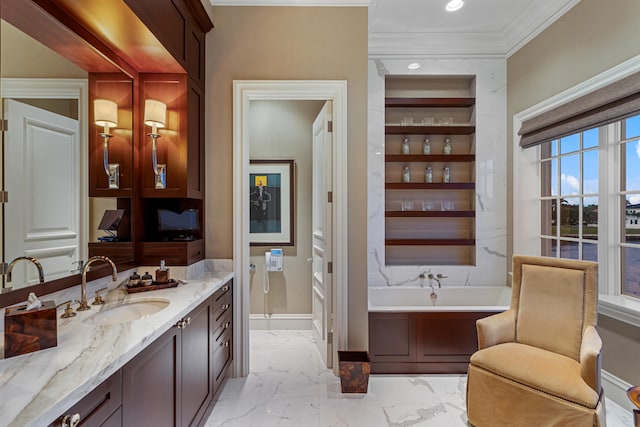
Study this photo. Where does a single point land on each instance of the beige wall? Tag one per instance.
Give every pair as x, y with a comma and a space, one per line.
281, 43
591, 38
282, 130
22, 56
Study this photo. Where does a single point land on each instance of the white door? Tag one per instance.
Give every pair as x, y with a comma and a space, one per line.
321, 277
42, 178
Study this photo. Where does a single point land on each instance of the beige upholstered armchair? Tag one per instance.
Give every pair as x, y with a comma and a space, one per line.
538, 363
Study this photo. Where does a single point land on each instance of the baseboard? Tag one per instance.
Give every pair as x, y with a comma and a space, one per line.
288, 322
615, 389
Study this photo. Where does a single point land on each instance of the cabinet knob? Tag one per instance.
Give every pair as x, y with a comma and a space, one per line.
226, 325
225, 344
224, 306
70, 420
188, 320
225, 288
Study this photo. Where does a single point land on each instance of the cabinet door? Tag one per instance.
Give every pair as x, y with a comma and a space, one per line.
392, 337
196, 364
100, 407
152, 382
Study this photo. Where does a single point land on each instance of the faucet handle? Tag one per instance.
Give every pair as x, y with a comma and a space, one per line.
98, 300
440, 276
68, 311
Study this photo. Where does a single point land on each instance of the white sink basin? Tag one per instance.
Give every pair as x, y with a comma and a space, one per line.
126, 312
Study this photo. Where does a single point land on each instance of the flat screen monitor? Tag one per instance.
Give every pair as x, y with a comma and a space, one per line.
111, 219
185, 222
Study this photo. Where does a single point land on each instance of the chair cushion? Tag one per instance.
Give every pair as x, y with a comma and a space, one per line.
548, 372
551, 309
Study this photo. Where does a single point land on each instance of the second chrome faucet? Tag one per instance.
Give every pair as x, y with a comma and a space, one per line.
114, 275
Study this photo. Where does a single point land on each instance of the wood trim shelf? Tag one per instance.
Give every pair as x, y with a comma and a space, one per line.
429, 102
429, 186
430, 214
429, 130
449, 158
430, 242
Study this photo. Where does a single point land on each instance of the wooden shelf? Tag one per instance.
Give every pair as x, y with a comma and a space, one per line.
430, 214
449, 158
429, 130
429, 102
429, 186
430, 242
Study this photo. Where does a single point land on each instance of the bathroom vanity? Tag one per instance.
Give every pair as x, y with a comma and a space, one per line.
163, 369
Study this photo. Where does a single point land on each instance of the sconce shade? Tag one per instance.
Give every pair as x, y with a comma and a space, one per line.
155, 113
105, 113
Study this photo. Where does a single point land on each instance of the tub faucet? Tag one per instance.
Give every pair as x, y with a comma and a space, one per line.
114, 275
26, 258
437, 278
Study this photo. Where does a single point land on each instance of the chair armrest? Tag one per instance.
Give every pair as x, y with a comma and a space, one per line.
496, 329
590, 358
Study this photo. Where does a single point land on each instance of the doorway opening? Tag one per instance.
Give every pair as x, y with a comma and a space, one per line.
246, 93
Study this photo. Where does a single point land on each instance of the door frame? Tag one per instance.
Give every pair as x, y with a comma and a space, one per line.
52, 88
244, 92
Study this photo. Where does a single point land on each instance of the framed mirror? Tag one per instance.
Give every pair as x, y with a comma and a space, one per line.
49, 213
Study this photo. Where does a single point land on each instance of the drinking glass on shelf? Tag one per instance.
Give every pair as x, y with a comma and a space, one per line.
447, 121
446, 205
427, 121
407, 205
427, 205
407, 121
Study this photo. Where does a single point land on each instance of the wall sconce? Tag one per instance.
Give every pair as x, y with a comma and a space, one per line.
155, 113
105, 114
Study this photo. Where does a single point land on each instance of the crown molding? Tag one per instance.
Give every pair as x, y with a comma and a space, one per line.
312, 3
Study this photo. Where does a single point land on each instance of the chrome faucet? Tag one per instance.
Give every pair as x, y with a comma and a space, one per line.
26, 258
114, 275
437, 278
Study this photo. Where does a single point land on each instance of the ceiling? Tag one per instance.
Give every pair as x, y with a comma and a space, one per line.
423, 28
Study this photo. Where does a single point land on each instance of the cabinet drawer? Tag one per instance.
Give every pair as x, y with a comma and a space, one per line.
225, 324
221, 308
222, 292
222, 355
97, 407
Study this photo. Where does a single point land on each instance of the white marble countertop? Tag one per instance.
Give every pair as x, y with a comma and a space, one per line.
36, 388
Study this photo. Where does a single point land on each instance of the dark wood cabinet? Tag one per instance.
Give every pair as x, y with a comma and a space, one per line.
422, 342
151, 384
222, 334
99, 408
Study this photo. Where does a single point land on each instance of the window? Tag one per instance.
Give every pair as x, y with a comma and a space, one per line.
571, 194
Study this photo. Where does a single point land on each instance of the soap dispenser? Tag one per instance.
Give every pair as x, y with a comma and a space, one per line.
162, 274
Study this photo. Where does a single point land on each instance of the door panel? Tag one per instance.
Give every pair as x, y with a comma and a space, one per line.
321, 279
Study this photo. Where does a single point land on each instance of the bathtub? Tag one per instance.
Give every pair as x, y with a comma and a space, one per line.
450, 298
410, 335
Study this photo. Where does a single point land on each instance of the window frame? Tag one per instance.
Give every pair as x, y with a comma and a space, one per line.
527, 190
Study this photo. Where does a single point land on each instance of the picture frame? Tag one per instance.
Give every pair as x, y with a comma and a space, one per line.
271, 203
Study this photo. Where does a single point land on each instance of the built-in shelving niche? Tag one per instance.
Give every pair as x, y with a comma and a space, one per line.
430, 223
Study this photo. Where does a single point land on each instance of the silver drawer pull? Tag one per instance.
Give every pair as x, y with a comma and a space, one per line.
70, 420
226, 325
225, 344
224, 306
225, 288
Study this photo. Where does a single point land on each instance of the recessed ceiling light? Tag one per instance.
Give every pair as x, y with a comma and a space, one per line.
454, 5
413, 66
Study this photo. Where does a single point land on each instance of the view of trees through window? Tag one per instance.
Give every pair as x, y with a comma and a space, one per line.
571, 197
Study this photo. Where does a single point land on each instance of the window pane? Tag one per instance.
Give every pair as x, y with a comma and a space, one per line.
548, 247
569, 250
632, 219
631, 271
569, 175
590, 252
632, 127
590, 138
554, 147
570, 143
632, 166
590, 172
554, 177
570, 217
590, 218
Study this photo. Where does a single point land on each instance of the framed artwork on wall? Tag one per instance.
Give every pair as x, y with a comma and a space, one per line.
271, 203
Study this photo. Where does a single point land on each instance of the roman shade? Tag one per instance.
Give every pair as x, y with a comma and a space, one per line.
608, 104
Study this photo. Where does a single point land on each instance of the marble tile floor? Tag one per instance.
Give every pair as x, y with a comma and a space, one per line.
288, 386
